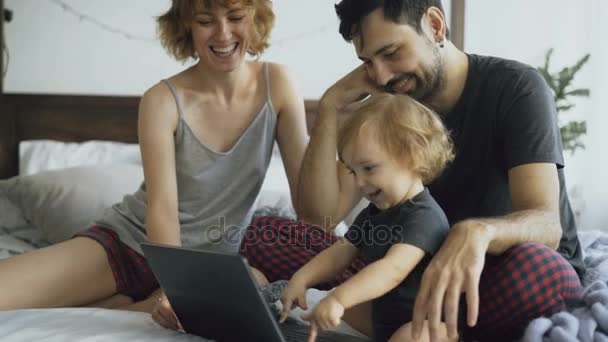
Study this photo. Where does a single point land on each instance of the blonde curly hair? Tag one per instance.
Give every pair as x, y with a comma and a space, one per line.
174, 25
410, 132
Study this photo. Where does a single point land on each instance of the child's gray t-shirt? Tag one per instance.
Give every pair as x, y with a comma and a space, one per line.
420, 222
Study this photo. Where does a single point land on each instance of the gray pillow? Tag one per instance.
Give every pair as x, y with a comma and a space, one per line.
64, 202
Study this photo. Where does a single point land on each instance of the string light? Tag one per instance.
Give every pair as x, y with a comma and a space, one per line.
92, 20
301, 36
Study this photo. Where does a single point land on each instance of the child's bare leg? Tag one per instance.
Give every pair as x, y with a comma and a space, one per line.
405, 334
72, 273
360, 318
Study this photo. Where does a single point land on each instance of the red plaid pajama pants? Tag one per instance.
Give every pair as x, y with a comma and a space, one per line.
527, 281
132, 275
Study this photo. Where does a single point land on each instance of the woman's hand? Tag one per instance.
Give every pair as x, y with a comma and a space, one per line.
164, 315
259, 277
294, 293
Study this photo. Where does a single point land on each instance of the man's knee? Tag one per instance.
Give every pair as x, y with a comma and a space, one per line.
540, 275
525, 282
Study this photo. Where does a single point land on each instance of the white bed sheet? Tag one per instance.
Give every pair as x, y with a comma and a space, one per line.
84, 324
92, 324
103, 325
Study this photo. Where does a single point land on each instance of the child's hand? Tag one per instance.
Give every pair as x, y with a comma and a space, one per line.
294, 293
326, 315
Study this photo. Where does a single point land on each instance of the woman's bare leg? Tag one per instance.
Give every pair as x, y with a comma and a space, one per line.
148, 304
72, 273
359, 317
116, 301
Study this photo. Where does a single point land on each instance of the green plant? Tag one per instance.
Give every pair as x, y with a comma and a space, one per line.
560, 82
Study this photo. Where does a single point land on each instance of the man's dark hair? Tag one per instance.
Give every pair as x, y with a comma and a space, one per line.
352, 12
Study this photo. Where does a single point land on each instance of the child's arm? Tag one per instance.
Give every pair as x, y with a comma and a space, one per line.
321, 268
327, 264
380, 277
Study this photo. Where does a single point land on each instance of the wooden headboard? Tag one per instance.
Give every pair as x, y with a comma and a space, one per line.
70, 118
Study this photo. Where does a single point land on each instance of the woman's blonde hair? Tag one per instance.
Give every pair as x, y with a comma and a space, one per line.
175, 33
410, 132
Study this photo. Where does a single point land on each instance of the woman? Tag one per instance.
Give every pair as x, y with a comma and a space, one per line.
206, 137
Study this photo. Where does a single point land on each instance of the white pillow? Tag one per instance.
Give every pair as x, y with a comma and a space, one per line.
64, 202
275, 189
43, 155
275, 194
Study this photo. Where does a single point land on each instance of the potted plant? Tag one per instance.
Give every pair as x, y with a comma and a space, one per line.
561, 84
571, 131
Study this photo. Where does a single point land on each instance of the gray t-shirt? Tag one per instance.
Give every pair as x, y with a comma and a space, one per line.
506, 117
419, 222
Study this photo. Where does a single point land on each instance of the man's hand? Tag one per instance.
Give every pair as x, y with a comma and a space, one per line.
350, 89
326, 315
455, 268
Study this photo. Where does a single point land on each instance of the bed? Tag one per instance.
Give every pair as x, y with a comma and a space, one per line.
59, 157
45, 204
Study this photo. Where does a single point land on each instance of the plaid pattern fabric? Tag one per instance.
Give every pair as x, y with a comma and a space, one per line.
525, 282
278, 247
133, 276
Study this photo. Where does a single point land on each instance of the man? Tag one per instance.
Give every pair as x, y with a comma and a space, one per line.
505, 187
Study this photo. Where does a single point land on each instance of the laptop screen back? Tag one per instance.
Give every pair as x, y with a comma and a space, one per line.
213, 294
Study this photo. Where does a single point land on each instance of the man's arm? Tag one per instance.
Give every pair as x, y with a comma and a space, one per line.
534, 192
326, 191
458, 264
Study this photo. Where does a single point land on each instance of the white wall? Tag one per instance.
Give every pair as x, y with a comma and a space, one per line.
53, 51
596, 162
524, 30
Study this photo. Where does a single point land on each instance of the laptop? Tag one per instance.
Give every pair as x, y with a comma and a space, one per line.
214, 295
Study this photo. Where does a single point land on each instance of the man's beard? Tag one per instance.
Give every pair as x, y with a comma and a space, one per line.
424, 89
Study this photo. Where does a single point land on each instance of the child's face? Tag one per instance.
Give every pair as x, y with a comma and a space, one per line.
380, 178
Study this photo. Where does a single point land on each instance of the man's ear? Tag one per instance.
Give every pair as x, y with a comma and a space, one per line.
435, 24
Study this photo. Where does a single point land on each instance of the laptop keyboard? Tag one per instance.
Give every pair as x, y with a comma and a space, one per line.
294, 332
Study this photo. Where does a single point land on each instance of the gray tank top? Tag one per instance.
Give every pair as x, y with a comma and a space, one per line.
216, 190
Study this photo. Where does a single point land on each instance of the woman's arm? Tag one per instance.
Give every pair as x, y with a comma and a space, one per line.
327, 264
380, 277
291, 124
157, 122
